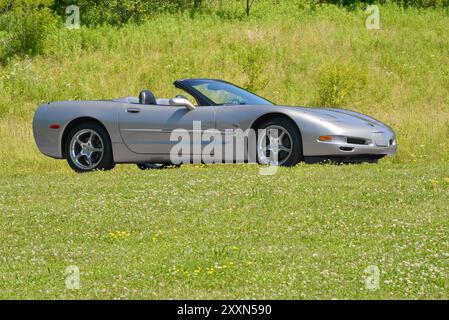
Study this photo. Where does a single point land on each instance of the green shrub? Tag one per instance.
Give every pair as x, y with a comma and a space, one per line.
338, 81
116, 12
253, 60
101, 12
403, 3
25, 26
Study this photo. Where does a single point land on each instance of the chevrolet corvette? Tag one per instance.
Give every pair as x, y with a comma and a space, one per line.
96, 135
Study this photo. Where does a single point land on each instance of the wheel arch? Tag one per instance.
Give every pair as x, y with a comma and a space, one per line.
72, 124
268, 116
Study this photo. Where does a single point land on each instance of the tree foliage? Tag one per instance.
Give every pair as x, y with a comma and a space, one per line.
24, 25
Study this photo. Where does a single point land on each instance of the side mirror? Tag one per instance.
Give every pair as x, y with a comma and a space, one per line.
181, 102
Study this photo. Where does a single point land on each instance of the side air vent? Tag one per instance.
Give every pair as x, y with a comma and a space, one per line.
352, 140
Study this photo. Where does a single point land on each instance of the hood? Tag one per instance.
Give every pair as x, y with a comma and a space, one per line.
356, 115
343, 115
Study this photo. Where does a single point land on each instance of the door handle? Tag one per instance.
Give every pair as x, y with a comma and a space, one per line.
133, 110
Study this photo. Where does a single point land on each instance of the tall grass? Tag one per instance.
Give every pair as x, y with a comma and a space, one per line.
404, 67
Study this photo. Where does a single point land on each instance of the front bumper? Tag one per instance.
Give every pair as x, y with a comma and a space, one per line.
373, 144
370, 158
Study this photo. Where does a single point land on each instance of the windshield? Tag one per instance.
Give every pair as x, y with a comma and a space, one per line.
223, 93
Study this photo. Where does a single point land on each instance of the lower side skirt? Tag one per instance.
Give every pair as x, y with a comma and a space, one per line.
370, 158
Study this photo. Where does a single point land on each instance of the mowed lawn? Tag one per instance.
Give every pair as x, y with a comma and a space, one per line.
225, 231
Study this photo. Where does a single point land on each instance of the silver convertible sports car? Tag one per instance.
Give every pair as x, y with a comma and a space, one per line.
98, 134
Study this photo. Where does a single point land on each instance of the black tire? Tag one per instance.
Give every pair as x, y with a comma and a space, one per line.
106, 161
296, 155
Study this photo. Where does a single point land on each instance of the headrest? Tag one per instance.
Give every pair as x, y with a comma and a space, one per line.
147, 97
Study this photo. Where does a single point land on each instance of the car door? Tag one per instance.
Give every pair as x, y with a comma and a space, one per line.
233, 122
146, 129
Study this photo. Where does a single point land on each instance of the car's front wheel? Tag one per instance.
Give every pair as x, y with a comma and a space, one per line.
89, 148
279, 142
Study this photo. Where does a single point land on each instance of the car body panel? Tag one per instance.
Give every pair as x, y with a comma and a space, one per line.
63, 113
148, 132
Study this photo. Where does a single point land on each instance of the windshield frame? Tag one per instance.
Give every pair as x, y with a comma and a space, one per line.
188, 86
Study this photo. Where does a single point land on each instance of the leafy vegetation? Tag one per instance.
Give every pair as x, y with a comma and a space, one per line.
338, 81
403, 3
291, 55
25, 26
253, 60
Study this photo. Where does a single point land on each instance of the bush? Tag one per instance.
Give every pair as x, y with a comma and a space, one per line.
252, 60
116, 12
25, 26
403, 3
101, 12
337, 82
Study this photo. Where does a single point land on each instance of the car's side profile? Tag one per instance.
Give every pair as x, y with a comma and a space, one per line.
98, 134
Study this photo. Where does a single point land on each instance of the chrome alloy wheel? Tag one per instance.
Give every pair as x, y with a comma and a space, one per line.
274, 145
86, 149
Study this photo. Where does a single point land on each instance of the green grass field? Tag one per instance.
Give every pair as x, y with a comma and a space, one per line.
225, 231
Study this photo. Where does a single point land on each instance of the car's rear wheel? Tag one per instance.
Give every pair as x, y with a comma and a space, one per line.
88, 147
279, 143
